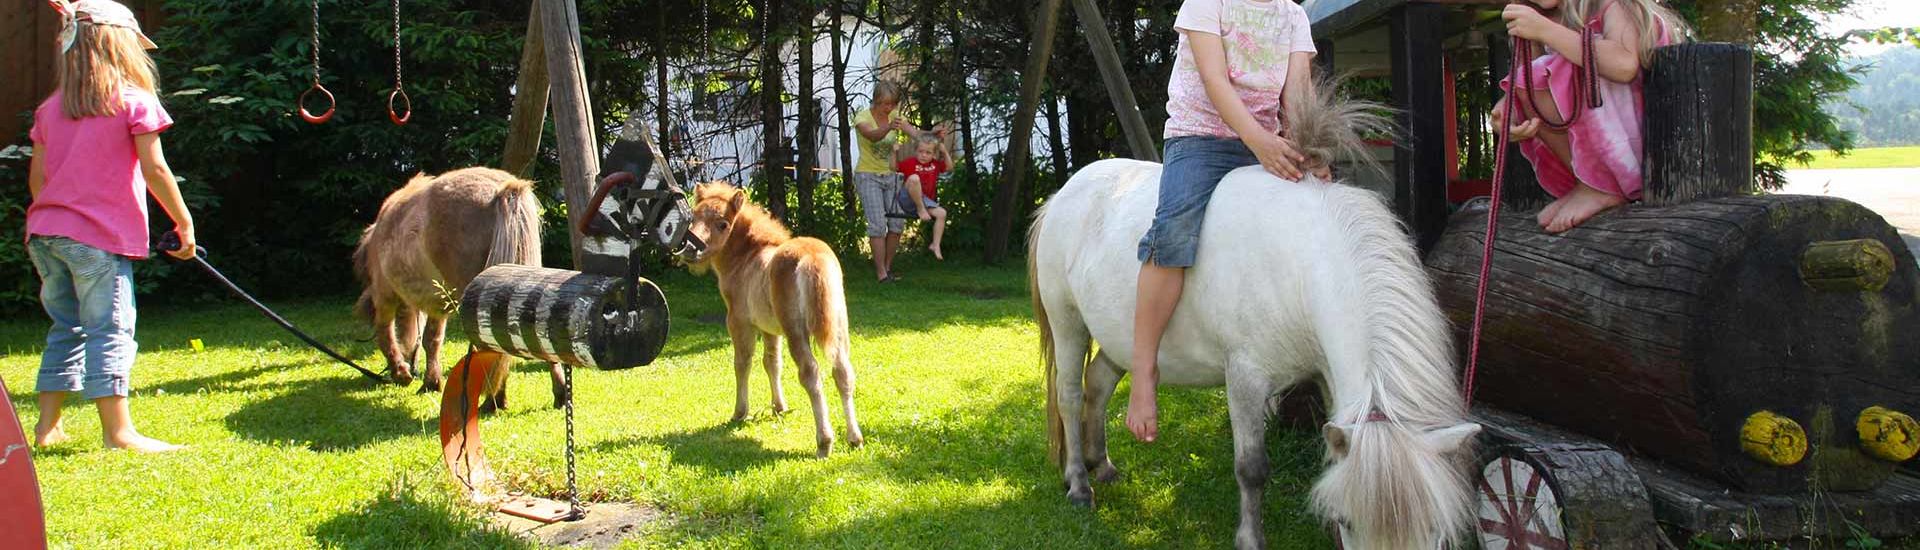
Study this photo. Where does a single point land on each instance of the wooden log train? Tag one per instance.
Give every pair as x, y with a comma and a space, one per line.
1731, 365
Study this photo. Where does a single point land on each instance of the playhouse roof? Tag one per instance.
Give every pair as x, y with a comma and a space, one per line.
1337, 17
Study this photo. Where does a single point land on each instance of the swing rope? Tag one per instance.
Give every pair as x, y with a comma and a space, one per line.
399, 85
316, 87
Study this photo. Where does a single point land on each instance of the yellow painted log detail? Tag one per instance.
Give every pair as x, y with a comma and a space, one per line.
1773, 439
1888, 435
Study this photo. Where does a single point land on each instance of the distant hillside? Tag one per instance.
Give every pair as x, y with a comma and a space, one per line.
1889, 95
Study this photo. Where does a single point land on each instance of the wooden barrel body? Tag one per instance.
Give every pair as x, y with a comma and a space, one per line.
1665, 330
565, 316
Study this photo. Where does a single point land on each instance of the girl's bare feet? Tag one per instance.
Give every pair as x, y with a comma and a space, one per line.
44, 436
140, 444
936, 252
1143, 412
1580, 205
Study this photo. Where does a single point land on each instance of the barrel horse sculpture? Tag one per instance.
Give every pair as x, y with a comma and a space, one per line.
1738, 366
607, 321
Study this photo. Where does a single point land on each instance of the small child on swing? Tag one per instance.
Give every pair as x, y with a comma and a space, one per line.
922, 172
1593, 163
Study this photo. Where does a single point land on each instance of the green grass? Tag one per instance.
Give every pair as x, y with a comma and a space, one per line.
1879, 157
289, 450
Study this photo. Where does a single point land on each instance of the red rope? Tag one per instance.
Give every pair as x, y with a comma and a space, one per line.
1586, 91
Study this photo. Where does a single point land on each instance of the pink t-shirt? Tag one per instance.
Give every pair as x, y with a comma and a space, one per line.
94, 192
1259, 37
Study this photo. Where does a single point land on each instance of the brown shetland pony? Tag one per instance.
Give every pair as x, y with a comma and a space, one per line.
776, 286
430, 239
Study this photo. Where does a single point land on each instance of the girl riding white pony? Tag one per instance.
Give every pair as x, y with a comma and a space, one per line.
1293, 282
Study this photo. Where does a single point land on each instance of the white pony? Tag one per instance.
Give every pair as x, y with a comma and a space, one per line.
1295, 281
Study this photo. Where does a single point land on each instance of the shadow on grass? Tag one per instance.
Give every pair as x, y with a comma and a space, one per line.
405, 520
336, 414
716, 449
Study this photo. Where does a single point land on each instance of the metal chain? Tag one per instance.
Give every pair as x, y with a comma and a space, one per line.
706, 36
316, 42
573, 491
398, 84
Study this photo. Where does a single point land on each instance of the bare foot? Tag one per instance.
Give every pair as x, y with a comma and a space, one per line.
936, 252
1143, 413
44, 436
142, 444
1552, 209
1581, 205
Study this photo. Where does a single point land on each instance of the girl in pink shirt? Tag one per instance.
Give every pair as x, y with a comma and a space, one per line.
1238, 61
96, 144
1594, 163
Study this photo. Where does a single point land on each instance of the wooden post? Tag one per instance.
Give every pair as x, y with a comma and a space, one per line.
1108, 59
1000, 231
529, 102
1699, 133
572, 114
1420, 163
1323, 58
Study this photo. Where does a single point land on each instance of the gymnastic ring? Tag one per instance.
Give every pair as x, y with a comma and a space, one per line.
399, 119
308, 115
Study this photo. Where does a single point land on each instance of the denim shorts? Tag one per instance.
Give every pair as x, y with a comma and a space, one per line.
88, 292
905, 200
1194, 166
876, 192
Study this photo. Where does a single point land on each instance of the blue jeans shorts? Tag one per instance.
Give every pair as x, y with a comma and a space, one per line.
1194, 166
88, 292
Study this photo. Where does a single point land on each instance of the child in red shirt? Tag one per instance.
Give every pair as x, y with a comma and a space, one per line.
922, 172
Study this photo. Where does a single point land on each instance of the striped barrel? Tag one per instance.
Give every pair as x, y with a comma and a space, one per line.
564, 316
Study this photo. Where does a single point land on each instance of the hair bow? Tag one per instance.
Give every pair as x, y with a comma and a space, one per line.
69, 23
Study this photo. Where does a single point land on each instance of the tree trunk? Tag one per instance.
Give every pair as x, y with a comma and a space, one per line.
842, 114
964, 74
772, 155
1000, 232
1054, 140
529, 102
572, 114
662, 115
806, 132
924, 72
1666, 329
1119, 90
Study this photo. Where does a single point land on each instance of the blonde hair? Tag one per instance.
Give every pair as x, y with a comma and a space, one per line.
1647, 15
886, 91
104, 60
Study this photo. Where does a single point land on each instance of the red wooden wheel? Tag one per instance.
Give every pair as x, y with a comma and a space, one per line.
308, 115
1518, 507
395, 114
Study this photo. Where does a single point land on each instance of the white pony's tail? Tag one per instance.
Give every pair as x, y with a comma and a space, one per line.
1056, 429
1395, 482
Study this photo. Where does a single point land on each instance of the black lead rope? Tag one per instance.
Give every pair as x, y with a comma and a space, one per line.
171, 242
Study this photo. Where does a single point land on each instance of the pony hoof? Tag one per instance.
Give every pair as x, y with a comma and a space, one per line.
856, 441
428, 387
825, 448
487, 408
400, 377
1080, 499
1106, 474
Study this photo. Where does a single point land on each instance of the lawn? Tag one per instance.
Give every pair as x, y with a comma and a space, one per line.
1878, 157
289, 450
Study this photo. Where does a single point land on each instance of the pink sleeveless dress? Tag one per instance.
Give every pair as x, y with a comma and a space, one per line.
1605, 142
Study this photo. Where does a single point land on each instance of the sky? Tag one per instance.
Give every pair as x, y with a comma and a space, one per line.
1875, 14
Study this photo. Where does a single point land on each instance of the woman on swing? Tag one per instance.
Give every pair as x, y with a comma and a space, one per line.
880, 128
